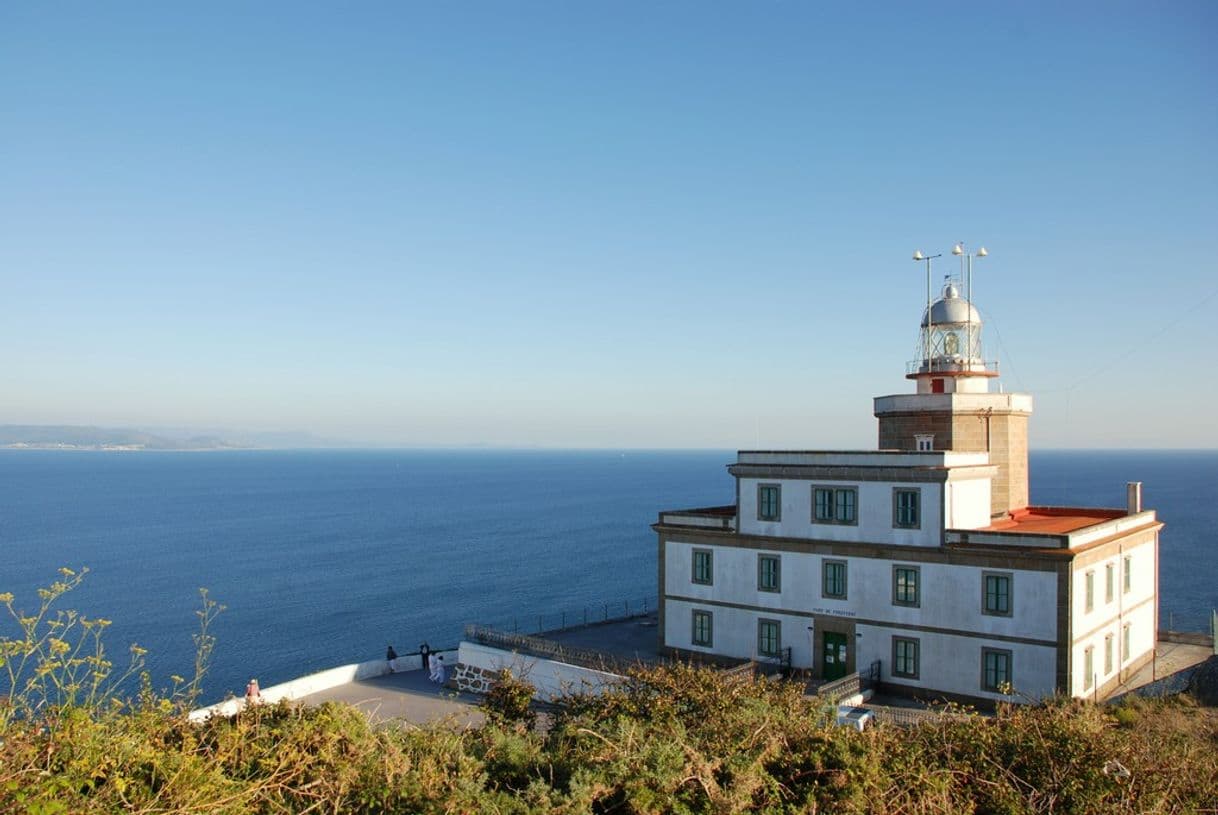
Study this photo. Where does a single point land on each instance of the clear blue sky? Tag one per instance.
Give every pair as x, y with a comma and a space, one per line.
601, 224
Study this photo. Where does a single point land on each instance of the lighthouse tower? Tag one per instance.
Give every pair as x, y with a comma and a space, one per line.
954, 406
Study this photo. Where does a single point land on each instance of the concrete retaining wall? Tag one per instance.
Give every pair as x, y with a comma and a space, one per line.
478, 664
322, 680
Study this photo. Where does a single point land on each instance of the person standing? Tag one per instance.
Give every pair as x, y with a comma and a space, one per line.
391, 656
441, 671
433, 663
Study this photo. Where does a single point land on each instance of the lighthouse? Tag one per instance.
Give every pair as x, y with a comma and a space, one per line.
957, 404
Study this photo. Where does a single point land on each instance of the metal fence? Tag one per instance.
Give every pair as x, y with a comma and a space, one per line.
577, 616
547, 649
1188, 622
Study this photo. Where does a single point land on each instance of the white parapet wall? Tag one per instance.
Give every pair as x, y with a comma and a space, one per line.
315, 682
477, 666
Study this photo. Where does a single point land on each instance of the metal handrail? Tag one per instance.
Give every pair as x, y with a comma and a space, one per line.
547, 649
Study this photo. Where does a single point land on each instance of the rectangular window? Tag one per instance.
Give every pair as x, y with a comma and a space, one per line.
906, 508
995, 669
704, 567
834, 505
1109, 582
905, 585
769, 638
834, 582
905, 657
997, 594
769, 502
1126, 644
1128, 575
1088, 668
1089, 594
769, 576
1108, 655
704, 632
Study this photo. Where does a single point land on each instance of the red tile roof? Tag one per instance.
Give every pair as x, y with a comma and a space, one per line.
1051, 520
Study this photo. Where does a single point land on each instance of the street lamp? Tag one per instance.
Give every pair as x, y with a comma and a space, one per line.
917, 255
963, 253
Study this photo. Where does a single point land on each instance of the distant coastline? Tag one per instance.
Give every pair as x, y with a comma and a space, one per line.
78, 437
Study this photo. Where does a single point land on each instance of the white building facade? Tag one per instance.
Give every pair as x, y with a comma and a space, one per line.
923, 556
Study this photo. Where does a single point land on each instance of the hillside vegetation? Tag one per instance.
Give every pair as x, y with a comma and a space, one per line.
677, 739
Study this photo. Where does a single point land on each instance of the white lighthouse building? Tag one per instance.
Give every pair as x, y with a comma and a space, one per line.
923, 555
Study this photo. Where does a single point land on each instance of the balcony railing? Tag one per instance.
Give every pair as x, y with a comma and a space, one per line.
952, 365
706, 518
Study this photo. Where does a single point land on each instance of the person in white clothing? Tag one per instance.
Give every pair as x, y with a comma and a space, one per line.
441, 671
432, 663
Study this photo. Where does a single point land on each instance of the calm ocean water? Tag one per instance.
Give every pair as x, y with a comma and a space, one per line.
323, 558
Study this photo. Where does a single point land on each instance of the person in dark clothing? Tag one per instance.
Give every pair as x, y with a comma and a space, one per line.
391, 654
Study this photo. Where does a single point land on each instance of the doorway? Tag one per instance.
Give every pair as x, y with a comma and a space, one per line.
834, 656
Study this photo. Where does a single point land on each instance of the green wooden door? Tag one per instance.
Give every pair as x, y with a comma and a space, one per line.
833, 655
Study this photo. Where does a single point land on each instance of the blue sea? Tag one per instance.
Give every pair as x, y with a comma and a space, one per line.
325, 557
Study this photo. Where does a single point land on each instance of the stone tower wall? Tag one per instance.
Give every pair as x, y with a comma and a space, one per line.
1002, 432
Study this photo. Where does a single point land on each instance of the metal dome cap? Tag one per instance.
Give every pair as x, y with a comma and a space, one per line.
951, 308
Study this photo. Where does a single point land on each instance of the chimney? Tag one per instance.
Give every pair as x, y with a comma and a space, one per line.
1133, 497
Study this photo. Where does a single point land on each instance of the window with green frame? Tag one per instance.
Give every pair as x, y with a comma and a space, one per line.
906, 508
905, 585
769, 638
1128, 574
1109, 582
995, 669
833, 582
769, 502
1089, 593
1108, 646
905, 657
996, 593
1088, 668
1126, 644
704, 567
704, 632
769, 573
834, 505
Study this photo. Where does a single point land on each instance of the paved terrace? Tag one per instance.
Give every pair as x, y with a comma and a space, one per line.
408, 696
634, 639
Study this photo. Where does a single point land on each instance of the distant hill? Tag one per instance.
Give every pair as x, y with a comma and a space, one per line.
76, 437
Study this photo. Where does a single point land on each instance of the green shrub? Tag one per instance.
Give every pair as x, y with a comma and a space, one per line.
510, 700
675, 739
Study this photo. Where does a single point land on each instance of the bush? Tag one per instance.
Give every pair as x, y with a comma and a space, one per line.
510, 700
675, 739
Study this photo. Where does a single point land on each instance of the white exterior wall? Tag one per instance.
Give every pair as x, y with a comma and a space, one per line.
951, 595
951, 599
874, 512
952, 664
735, 631
1135, 608
967, 503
